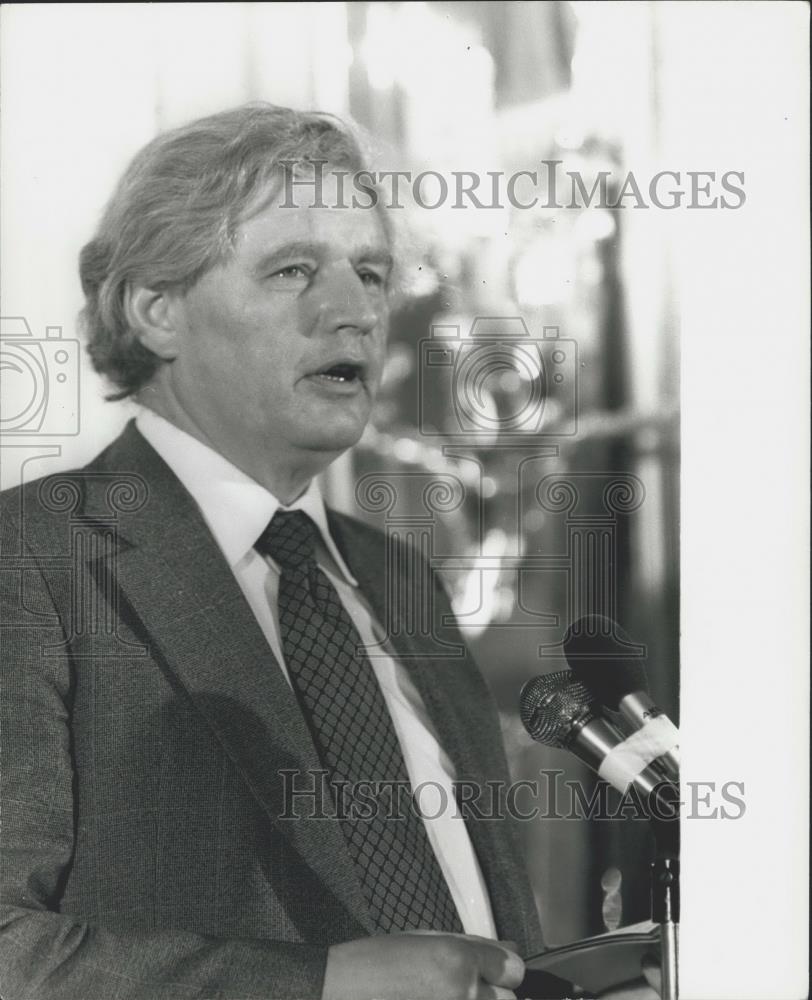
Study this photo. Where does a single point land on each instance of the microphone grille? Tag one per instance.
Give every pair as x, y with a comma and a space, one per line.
550, 705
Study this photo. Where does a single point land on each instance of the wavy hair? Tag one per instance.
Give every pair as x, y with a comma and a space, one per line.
176, 209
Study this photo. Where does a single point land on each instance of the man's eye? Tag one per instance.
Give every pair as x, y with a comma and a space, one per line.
372, 278
292, 271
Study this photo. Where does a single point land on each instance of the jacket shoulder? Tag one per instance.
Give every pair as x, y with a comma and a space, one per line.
351, 529
40, 501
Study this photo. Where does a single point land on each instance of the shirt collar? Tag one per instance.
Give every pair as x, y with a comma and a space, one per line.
236, 508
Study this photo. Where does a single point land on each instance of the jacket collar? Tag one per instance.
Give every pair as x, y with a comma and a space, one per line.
235, 507
172, 575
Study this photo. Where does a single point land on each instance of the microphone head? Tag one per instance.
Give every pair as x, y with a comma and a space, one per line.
602, 657
553, 706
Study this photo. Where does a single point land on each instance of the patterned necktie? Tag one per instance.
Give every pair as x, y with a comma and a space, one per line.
352, 729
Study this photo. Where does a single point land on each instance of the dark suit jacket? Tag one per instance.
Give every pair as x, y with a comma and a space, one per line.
145, 723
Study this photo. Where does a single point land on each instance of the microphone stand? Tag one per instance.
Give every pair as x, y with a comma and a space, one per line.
665, 912
665, 897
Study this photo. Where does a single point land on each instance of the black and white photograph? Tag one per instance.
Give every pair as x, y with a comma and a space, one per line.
405, 480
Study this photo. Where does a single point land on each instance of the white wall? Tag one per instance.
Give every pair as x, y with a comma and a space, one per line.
735, 96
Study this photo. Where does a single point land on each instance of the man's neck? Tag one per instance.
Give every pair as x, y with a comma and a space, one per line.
284, 479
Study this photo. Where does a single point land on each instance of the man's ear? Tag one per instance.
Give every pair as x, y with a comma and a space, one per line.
153, 318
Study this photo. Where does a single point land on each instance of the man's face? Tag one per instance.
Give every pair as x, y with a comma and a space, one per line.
282, 345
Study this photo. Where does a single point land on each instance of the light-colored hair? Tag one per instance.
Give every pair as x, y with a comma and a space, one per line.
175, 212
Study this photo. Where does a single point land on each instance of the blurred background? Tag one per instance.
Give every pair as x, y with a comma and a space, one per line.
438, 86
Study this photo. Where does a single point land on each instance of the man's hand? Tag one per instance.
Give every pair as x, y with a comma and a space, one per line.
422, 965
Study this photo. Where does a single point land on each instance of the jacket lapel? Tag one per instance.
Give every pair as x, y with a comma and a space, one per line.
201, 631
444, 684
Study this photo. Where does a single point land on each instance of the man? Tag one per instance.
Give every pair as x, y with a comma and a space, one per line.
204, 646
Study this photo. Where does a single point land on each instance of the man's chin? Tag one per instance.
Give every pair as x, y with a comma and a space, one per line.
333, 438
340, 422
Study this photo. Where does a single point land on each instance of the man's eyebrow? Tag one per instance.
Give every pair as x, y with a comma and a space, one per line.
283, 254
374, 255
287, 253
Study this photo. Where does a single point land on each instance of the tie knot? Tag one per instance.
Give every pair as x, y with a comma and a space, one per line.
290, 539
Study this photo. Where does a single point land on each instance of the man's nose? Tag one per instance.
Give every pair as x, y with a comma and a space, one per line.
344, 302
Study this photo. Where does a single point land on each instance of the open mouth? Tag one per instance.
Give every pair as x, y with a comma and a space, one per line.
343, 373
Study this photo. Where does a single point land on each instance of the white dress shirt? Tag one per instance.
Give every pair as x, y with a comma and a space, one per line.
237, 510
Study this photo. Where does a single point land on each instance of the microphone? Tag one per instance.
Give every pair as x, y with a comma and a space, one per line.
602, 657
559, 711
